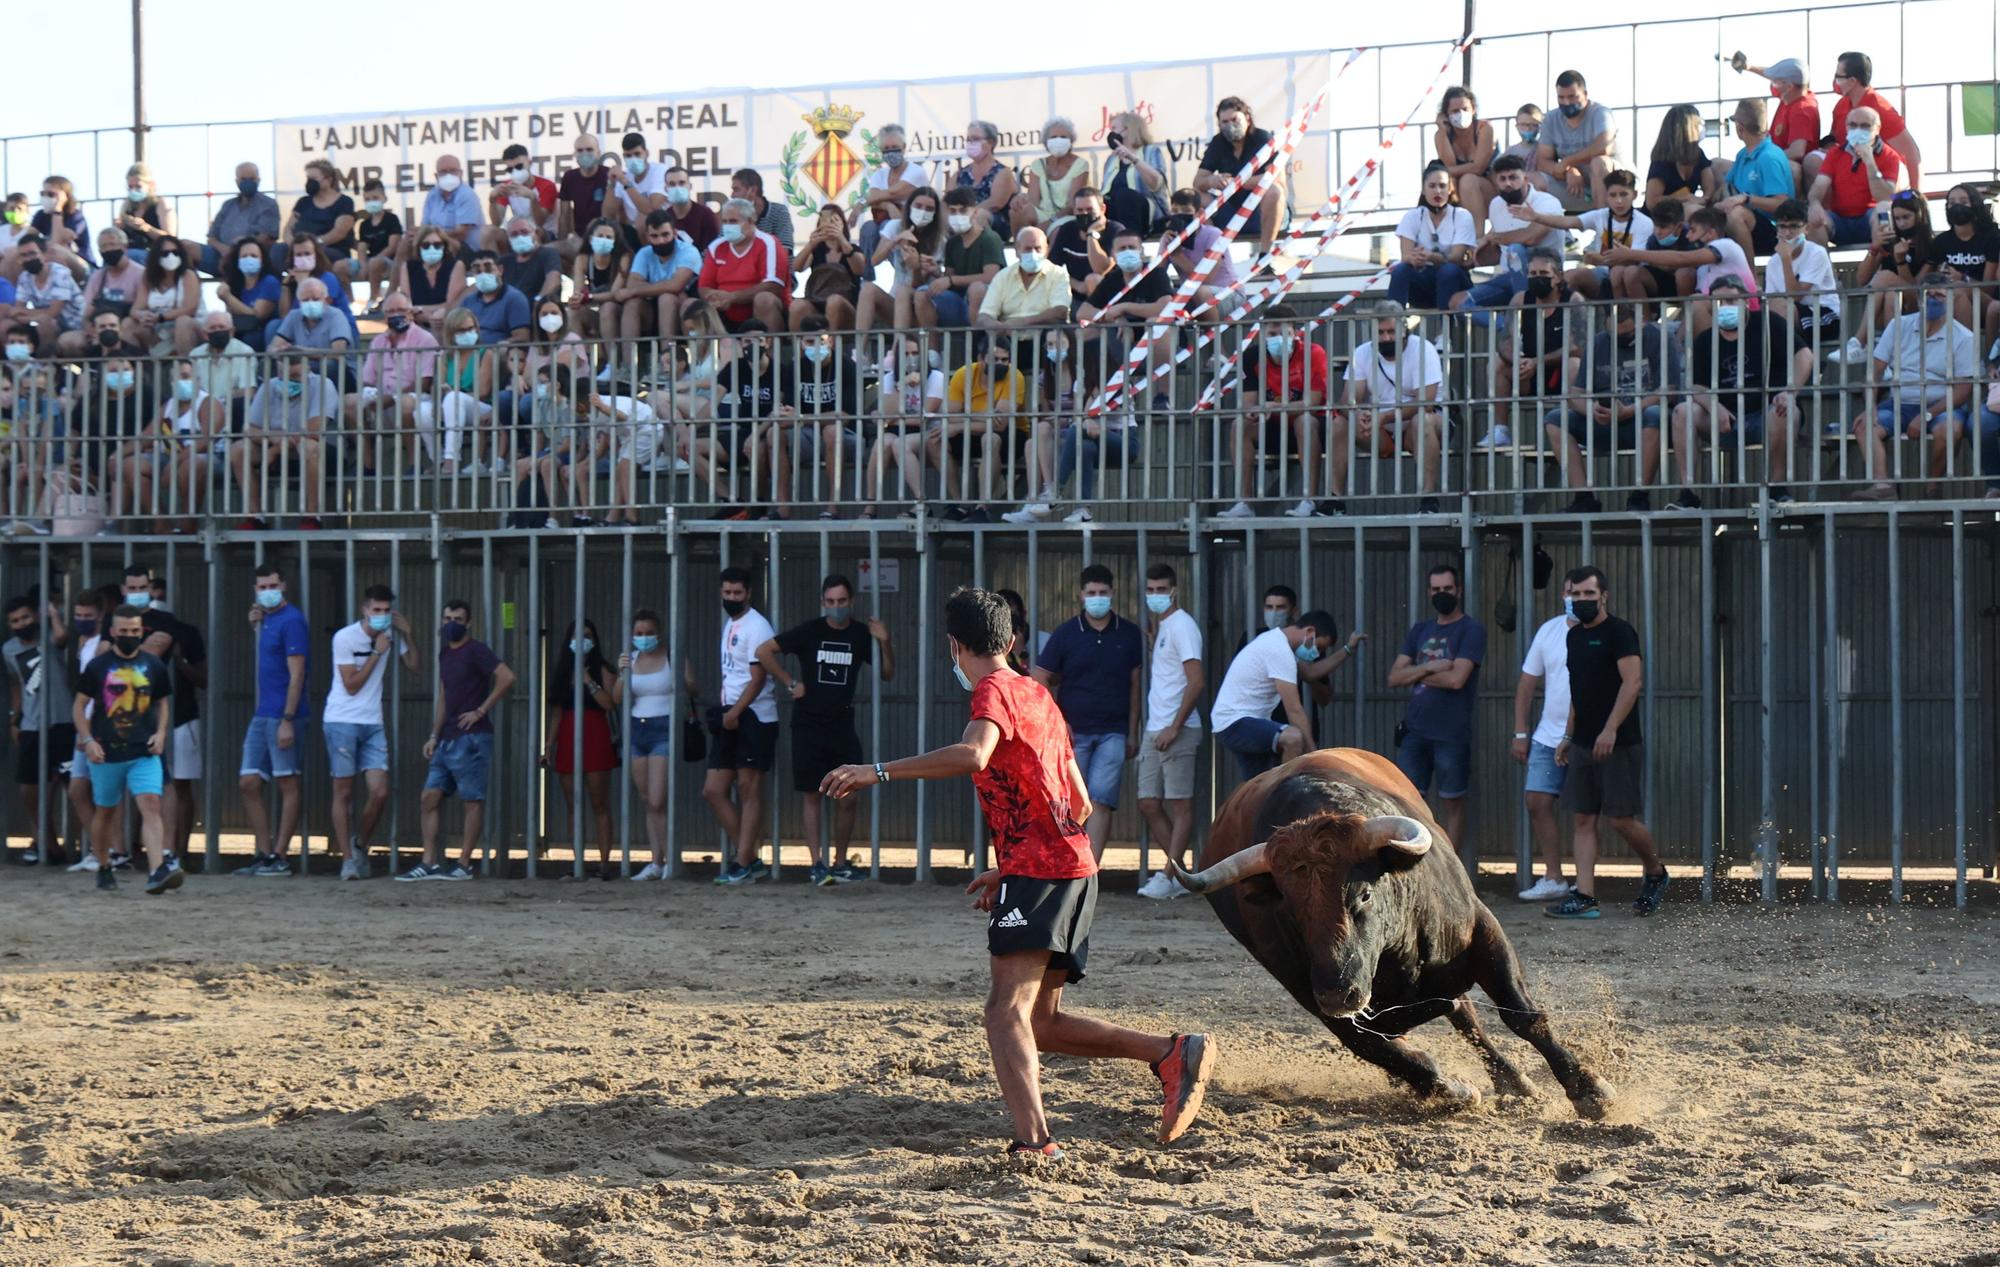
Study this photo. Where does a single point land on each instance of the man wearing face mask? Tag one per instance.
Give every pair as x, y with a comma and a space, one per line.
112, 289
1032, 293
396, 370
1633, 369
1854, 174
355, 740
1737, 378
580, 197
694, 218
1534, 364
1440, 666
124, 703
1173, 728
283, 435
1394, 388
1514, 235
272, 744
746, 272
249, 214
1926, 365
658, 281
37, 695
640, 185
1262, 680
450, 206
1546, 669
1795, 126
519, 194
832, 650
472, 680
973, 257
502, 311
772, 218
315, 325
1800, 289
1094, 666
528, 266
1043, 890
1578, 144
1853, 79
48, 300
742, 732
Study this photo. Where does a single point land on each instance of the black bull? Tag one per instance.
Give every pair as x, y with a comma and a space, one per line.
1325, 870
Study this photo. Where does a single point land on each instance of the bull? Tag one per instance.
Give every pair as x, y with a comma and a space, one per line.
1352, 898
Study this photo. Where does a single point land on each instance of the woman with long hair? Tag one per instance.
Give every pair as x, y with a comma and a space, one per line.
433, 277
1437, 239
1135, 175
1897, 258
600, 757
1466, 149
647, 673
1680, 167
911, 247
1969, 250
599, 269
249, 290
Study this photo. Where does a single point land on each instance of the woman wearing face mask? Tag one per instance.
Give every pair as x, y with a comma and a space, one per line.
1969, 251
1436, 239
168, 474
990, 180
308, 259
647, 673
912, 395
1680, 168
911, 247
833, 268
147, 220
1898, 256
600, 756
166, 319
250, 291
1465, 148
1237, 139
60, 220
325, 213
1049, 184
599, 270
433, 278
1135, 181
466, 371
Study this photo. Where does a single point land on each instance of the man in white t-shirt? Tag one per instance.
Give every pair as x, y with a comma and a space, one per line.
1263, 675
1545, 668
1618, 223
1394, 393
1514, 235
355, 739
1173, 727
742, 730
1801, 268
641, 187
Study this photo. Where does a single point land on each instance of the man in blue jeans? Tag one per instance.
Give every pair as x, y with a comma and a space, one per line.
1092, 665
271, 745
471, 680
1440, 665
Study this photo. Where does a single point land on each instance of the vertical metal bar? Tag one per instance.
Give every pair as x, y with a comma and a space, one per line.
875, 717
1708, 715
434, 678
1360, 610
771, 545
44, 701
1895, 706
1959, 739
1836, 732
924, 553
531, 622
1815, 649
352, 594
625, 710
1524, 844
395, 715
1146, 659
1649, 706
979, 837
1767, 703
300, 728
826, 833
676, 651
578, 781
494, 847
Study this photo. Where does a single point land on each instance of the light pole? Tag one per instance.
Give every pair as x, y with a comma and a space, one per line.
138, 81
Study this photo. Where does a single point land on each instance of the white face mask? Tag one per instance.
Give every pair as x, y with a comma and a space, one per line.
1460, 118
921, 216
1059, 145
958, 223
449, 182
551, 322
518, 175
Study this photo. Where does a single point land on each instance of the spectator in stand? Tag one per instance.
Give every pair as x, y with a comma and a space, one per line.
981, 399
147, 219
271, 745
1969, 252
1713, 254
528, 266
1028, 295
1049, 184
1081, 243
314, 324
1898, 256
1539, 357
452, 206
1527, 131
1577, 144
1465, 152
249, 292
1217, 295
1855, 175
1633, 368
1513, 235
60, 220
283, 434
47, 298
600, 755
833, 268
990, 181
249, 214
1285, 383
380, 232
973, 256
912, 247
1237, 140
746, 272
647, 673
1759, 180
356, 743
472, 681
822, 395
309, 260
742, 731
1394, 397
1546, 669
596, 278
433, 277
168, 471
13, 222
1094, 666
772, 218
1440, 664
580, 198
889, 186
165, 321
1135, 180
696, 220
912, 404
1739, 381
1853, 74
1650, 281
519, 194
399, 367
326, 212
1801, 289
1436, 239
501, 311
1167, 751
1925, 367
225, 367
1680, 167
1795, 126
1617, 223
116, 288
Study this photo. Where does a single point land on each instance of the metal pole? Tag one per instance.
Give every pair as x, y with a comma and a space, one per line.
1524, 856
1958, 736
1146, 659
676, 647
578, 781
395, 716
771, 807
1708, 719
979, 840
1648, 714
494, 824
299, 728
1815, 649
1895, 707
1767, 703
875, 718
1360, 608
924, 553
625, 714
139, 80
1836, 735
532, 622
353, 595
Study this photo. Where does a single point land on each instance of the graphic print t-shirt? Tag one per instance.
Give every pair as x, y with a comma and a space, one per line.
830, 664
1438, 712
1025, 788
123, 693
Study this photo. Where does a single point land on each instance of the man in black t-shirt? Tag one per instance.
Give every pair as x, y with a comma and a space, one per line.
821, 395
1081, 243
189, 666
830, 652
1237, 140
128, 696
1602, 749
1737, 380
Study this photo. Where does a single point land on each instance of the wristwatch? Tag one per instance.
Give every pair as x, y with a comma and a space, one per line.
881, 775
1520, 734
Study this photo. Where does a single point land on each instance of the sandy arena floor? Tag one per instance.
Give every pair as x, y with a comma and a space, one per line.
271, 1072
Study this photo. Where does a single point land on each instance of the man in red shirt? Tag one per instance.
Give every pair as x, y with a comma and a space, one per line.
746, 272
1852, 75
1285, 380
1855, 176
1044, 890
1795, 123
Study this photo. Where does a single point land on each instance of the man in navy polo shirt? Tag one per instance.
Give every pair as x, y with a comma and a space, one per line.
501, 310
1092, 666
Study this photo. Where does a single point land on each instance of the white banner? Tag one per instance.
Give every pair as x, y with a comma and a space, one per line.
816, 145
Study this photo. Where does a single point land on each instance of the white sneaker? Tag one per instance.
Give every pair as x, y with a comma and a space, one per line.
1851, 354
89, 863
1032, 513
1154, 885
1500, 437
1306, 509
1545, 889
651, 871
1078, 516
1241, 510
1173, 889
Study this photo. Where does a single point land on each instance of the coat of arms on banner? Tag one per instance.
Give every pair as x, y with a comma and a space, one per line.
833, 166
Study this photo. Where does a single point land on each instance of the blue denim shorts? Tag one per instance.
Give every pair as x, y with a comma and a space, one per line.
459, 767
1102, 760
355, 746
1892, 418
1449, 759
1544, 775
1254, 740
261, 754
652, 735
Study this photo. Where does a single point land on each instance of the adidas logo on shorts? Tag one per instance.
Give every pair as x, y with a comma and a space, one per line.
1012, 919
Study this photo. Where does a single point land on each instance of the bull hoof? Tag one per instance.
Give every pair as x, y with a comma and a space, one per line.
1593, 1099
1451, 1095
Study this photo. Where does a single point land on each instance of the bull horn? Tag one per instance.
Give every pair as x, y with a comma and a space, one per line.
1395, 831
1237, 866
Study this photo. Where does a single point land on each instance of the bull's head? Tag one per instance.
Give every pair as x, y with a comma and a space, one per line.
1336, 876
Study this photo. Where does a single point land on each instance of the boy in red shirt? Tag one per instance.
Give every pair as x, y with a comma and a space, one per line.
1044, 890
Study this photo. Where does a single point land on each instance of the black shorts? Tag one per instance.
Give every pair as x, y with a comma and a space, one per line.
1763, 235
1614, 787
28, 766
1825, 320
1051, 915
1665, 283
753, 745
818, 745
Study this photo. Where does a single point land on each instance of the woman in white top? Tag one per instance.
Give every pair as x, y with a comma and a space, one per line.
911, 247
1437, 240
1135, 179
912, 395
167, 321
647, 674
167, 473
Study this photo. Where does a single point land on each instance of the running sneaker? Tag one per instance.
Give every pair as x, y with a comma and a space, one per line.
1306, 509
31, 857
86, 863
165, 876
1154, 886
845, 872
730, 874
106, 880
121, 861
1575, 906
1583, 504
651, 871
1183, 1081
253, 867
757, 870
1032, 513
1547, 889
1080, 515
1428, 505
273, 865
422, 871
454, 871
1686, 499
348, 871
1652, 890
1640, 503
1047, 1150
363, 869
820, 877
1497, 438
1241, 510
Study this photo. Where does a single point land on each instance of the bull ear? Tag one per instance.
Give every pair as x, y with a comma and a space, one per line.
1399, 834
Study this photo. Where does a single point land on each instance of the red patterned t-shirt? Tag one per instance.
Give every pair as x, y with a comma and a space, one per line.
1025, 788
